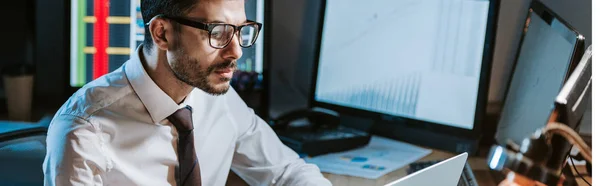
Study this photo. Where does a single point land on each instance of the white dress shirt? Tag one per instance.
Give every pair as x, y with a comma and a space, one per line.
114, 131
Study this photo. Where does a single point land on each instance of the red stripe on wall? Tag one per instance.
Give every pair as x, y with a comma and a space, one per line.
100, 38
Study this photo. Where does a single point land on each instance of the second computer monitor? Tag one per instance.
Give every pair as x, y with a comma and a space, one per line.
549, 50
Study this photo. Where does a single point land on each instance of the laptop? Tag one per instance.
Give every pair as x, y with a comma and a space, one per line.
445, 173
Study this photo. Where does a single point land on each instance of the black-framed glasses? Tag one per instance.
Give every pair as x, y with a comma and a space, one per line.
221, 34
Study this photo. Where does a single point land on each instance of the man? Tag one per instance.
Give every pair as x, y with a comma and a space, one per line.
167, 116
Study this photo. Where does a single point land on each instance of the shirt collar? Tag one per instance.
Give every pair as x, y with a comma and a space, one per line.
156, 101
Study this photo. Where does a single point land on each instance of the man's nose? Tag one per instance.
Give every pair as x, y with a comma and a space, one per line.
233, 51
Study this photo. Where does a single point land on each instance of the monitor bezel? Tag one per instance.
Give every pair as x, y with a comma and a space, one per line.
482, 93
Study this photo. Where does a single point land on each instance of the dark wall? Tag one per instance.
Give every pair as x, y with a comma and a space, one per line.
14, 32
33, 33
17, 37
51, 52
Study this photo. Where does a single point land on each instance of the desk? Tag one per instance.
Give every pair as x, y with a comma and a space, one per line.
478, 164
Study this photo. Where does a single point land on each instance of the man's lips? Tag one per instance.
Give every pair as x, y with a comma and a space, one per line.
225, 72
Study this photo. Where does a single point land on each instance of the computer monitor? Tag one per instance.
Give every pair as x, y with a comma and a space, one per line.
413, 67
103, 37
549, 50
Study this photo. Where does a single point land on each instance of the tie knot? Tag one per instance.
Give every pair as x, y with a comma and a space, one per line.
182, 119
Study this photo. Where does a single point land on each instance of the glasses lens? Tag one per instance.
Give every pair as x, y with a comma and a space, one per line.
248, 35
221, 35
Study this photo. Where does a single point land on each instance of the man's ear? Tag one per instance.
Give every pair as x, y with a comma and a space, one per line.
158, 30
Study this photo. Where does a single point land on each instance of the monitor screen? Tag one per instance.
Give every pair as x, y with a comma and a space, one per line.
414, 59
103, 37
542, 66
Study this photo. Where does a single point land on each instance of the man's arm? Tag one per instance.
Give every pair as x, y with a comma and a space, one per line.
73, 154
261, 159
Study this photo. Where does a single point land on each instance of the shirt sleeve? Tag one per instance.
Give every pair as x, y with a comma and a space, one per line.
260, 158
73, 153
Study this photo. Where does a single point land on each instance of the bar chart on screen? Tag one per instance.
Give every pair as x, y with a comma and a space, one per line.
397, 96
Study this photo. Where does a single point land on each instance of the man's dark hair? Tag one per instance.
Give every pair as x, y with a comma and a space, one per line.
173, 8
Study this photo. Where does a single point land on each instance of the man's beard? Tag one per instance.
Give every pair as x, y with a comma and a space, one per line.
188, 70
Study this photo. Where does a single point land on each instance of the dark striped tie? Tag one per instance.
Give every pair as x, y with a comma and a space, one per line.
189, 168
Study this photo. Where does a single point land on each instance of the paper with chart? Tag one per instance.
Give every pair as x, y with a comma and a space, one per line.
378, 158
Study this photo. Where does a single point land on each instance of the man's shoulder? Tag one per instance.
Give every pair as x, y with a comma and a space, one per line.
97, 94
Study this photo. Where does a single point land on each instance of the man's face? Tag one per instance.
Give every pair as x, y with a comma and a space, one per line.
190, 55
